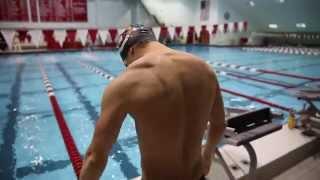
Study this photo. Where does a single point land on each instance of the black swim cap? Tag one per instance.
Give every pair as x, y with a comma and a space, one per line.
133, 35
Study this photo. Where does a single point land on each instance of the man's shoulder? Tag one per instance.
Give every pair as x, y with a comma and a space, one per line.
130, 89
185, 57
120, 90
129, 81
126, 80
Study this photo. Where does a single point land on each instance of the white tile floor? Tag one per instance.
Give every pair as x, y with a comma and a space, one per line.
269, 148
308, 169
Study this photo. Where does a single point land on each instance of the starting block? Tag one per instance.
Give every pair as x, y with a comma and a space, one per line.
245, 128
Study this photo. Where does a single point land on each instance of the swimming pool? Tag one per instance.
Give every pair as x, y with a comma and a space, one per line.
31, 146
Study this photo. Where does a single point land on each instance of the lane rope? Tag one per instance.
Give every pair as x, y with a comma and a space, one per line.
261, 101
73, 152
286, 50
254, 70
98, 71
224, 73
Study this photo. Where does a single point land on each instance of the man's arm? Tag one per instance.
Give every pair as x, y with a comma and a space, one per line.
106, 131
215, 131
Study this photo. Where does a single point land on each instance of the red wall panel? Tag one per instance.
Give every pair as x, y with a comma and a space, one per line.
50, 10
13, 10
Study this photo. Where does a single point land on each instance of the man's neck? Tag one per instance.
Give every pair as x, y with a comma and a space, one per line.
152, 47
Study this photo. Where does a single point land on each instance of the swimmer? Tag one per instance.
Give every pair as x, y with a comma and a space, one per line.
172, 96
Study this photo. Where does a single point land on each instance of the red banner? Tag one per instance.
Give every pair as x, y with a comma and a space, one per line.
50, 10
63, 10
13, 10
79, 10
46, 10
34, 10
3, 10
53, 10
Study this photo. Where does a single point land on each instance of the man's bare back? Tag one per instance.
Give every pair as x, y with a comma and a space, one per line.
172, 96
171, 108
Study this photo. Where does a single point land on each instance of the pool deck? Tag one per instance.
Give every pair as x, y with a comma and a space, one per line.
276, 153
307, 169
281, 155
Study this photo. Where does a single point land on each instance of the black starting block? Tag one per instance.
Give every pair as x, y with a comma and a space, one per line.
244, 128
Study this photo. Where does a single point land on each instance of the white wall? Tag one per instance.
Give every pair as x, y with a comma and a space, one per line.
101, 14
120, 13
180, 12
142, 16
266, 12
286, 15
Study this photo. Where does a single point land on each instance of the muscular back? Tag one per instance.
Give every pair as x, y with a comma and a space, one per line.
171, 97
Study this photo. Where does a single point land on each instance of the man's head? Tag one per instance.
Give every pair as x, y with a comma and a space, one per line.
131, 37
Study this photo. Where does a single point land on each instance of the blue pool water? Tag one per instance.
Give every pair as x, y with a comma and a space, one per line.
31, 146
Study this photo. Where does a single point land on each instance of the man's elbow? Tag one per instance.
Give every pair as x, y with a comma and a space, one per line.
97, 161
219, 127
222, 127
90, 169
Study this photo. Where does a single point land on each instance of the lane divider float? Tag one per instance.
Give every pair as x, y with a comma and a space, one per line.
254, 70
98, 71
286, 50
225, 73
261, 101
73, 152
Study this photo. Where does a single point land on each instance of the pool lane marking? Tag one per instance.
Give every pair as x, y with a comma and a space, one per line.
255, 70
261, 101
4, 95
74, 155
82, 98
127, 168
270, 82
7, 152
252, 98
41, 168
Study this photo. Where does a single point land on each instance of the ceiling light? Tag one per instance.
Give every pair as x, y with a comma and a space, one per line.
301, 25
273, 26
252, 4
